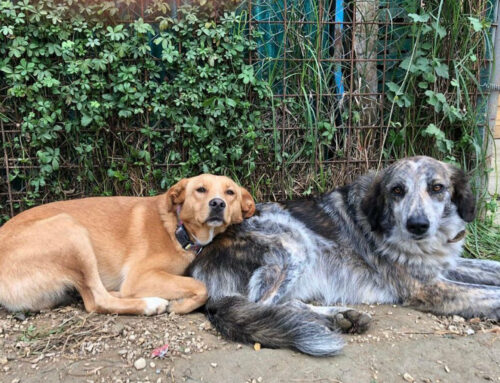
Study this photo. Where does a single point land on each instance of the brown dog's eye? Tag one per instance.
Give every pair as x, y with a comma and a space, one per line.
201, 190
437, 188
229, 192
397, 190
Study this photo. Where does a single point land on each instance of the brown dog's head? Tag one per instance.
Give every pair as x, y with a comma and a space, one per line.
209, 204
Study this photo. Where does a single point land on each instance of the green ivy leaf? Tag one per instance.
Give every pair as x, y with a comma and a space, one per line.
440, 30
86, 120
441, 70
477, 24
419, 18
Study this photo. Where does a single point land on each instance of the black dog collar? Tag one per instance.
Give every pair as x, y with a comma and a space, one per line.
183, 237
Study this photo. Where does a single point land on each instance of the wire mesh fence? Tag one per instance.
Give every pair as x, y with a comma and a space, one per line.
329, 64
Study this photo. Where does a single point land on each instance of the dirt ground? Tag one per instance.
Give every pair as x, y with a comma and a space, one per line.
402, 345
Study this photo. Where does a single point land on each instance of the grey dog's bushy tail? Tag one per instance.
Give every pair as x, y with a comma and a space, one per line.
275, 326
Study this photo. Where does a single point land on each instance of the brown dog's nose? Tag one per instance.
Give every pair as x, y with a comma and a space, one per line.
217, 204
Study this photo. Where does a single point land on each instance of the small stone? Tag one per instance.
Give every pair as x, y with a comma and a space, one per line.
152, 365
16, 380
458, 319
470, 331
256, 346
453, 328
187, 350
140, 364
408, 377
259, 379
213, 365
3, 360
446, 368
20, 316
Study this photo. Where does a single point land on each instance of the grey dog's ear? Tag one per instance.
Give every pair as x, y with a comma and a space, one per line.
462, 195
373, 205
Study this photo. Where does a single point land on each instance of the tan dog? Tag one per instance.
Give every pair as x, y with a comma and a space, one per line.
122, 254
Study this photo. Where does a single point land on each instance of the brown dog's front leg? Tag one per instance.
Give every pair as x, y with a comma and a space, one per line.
184, 293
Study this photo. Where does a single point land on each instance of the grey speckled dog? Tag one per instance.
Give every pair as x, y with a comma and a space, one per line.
392, 238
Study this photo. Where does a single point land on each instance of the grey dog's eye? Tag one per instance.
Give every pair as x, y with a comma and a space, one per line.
201, 190
397, 190
437, 188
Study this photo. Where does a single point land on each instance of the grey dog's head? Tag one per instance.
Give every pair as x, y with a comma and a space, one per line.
414, 197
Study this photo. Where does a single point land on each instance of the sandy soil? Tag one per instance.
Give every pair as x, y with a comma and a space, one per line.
402, 345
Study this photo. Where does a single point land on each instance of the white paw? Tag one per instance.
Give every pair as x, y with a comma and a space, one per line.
155, 305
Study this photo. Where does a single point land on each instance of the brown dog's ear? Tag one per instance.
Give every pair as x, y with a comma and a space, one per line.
462, 196
247, 203
176, 194
373, 205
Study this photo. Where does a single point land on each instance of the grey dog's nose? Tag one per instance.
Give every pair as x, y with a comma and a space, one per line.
217, 204
417, 224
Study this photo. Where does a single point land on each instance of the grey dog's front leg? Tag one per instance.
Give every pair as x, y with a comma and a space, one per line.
476, 271
446, 297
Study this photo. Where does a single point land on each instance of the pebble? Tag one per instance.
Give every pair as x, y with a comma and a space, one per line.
470, 331
140, 364
408, 377
152, 365
213, 365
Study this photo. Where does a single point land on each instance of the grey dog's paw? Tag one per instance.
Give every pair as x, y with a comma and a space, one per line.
351, 321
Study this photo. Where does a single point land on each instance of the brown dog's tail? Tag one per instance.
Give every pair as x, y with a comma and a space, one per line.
277, 326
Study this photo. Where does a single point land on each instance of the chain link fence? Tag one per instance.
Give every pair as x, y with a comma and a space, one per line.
332, 66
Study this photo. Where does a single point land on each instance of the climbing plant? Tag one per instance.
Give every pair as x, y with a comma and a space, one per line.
101, 106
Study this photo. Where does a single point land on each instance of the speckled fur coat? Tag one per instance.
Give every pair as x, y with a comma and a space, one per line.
395, 237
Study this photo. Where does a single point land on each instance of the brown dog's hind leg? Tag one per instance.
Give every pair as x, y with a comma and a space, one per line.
46, 258
185, 294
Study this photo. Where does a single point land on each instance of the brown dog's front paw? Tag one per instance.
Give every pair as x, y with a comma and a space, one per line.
155, 306
352, 321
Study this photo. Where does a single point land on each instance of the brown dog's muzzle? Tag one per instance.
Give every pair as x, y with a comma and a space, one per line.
217, 207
